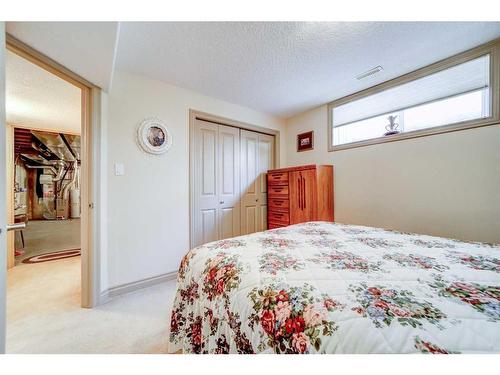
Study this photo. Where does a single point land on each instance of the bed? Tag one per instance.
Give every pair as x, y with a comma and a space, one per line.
323, 287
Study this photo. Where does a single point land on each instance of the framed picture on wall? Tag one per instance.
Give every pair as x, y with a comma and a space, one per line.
153, 136
305, 141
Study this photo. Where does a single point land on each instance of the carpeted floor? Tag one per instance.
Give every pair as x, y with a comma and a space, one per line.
44, 236
44, 314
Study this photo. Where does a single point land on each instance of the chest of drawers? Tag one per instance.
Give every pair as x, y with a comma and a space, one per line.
299, 194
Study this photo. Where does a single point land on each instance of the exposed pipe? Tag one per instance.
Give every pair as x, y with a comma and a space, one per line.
57, 172
52, 169
68, 145
45, 152
60, 170
66, 188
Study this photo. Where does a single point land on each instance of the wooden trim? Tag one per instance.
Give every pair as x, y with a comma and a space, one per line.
45, 62
193, 115
299, 168
198, 115
86, 198
9, 143
492, 48
58, 131
90, 273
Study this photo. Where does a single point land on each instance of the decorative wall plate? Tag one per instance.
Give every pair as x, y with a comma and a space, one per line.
153, 136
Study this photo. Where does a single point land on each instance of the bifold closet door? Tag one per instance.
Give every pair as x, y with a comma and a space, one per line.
216, 182
257, 157
229, 181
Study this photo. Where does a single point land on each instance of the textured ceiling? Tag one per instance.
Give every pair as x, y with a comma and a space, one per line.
86, 48
283, 67
280, 68
38, 99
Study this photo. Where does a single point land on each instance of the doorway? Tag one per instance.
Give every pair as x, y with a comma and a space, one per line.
45, 180
228, 188
58, 167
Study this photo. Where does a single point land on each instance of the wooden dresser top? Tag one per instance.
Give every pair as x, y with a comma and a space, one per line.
297, 168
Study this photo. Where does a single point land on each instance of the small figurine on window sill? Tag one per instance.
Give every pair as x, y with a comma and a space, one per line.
393, 125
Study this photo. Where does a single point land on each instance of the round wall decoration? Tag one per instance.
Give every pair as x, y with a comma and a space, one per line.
153, 136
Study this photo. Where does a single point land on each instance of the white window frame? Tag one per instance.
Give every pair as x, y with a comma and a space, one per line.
492, 48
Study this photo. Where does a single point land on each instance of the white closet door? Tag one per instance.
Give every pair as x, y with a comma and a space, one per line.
249, 181
206, 200
229, 182
265, 162
257, 156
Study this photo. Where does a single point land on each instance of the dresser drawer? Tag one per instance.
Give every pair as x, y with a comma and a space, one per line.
276, 224
278, 203
273, 190
278, 216
277, 178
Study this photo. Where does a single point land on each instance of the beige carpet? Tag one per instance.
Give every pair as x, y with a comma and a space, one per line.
44, 314
44, 236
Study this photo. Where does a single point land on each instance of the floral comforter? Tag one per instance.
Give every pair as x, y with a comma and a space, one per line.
331, 288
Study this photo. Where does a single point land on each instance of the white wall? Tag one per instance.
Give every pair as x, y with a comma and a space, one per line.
445, 185
148, 207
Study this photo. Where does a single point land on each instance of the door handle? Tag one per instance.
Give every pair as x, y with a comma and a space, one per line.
303, 193
221, 202
298, 191
16, 226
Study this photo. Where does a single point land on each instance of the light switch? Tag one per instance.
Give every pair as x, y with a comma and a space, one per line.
119, 169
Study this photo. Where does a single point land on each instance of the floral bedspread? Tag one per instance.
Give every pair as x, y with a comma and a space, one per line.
332, 288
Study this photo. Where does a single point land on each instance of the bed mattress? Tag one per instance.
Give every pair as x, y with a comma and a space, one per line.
324, 287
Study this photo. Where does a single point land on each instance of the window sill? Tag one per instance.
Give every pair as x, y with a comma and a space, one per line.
417, 134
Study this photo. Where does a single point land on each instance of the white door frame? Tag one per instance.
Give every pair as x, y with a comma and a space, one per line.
198, 115
90, 171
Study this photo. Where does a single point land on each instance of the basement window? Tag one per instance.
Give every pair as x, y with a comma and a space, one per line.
450, 95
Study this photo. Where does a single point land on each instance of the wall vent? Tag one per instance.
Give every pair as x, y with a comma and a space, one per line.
370, 72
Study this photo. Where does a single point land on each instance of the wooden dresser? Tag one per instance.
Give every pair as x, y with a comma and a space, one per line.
299, 194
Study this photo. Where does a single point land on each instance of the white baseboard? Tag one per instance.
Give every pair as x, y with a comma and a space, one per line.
115, 291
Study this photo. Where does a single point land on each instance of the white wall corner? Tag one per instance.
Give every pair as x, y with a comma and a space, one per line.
115, 53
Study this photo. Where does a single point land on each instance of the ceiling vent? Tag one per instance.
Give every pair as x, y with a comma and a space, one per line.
370, 72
